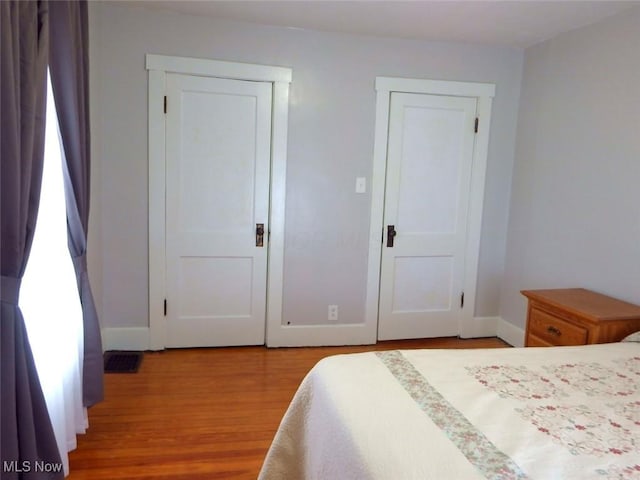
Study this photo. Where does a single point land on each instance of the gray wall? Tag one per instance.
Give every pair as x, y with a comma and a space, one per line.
331, 129
575, 207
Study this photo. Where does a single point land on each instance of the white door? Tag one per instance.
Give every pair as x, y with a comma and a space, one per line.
429, 164
218, 147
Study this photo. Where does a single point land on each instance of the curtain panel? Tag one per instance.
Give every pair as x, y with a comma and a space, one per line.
69, 69
27, 438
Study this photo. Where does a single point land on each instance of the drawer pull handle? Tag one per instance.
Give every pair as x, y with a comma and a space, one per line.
554, 331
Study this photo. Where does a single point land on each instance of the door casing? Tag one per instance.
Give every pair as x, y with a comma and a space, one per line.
158, 67
484, 93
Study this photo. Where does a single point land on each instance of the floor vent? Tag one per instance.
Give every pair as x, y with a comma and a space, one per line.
122, 362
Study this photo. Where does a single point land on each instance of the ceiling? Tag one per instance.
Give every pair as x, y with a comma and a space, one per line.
517, 24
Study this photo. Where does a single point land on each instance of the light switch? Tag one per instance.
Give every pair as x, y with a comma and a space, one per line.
361, 185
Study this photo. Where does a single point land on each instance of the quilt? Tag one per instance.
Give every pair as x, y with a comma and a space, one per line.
517, 413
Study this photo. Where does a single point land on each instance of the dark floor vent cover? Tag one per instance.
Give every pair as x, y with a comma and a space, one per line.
122, 362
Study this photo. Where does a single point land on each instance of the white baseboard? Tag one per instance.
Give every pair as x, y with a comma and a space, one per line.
137, 338
320, 335
481, 327
127, 338
510, 333
331, 335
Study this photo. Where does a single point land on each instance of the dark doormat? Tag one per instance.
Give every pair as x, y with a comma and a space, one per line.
122, 362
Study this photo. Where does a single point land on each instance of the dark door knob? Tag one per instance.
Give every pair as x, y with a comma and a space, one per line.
391, 233
259, 234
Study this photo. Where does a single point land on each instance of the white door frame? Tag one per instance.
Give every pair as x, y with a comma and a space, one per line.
484, 92
280, 77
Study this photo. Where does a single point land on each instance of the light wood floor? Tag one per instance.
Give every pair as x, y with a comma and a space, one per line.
203, 413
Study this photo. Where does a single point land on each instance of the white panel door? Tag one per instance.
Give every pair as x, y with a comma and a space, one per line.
218, 144
429, 163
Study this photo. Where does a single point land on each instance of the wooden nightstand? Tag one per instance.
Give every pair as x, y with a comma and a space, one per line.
575, 316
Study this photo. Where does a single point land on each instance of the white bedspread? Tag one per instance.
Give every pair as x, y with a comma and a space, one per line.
539, 413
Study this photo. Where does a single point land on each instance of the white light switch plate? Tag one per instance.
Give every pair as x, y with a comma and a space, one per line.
361, 184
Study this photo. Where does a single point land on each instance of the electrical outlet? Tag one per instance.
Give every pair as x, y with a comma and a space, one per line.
333, 313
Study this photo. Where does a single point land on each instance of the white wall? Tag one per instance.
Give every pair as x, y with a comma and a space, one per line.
575, 207
331, 127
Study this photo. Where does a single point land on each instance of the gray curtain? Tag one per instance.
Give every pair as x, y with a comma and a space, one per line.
69, 69
27, 436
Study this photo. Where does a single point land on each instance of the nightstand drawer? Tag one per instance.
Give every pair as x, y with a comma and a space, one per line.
576, 316
554, 330
533, 341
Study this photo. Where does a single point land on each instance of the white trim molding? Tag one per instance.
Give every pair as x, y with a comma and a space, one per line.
510, 333
484, 93
435, 87
482, 327
219, 69
280, 78
358, 334
320, 335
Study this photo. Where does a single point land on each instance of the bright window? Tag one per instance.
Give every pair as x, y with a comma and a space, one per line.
50, 302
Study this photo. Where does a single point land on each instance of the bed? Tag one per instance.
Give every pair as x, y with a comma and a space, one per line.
517, 413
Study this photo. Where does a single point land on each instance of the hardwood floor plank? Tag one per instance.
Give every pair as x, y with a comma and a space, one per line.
204, 413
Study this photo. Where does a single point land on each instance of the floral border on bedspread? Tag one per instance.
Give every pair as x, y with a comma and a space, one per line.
616, 472
576, 427
610, 431
474, 445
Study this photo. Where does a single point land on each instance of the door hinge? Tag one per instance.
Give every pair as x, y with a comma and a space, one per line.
165, 307
462, 300
165, 104
475, 128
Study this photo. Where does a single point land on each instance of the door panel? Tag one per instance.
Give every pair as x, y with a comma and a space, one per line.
207, 146
429, 162
425, 175
215, 286
422, 284
218, 164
